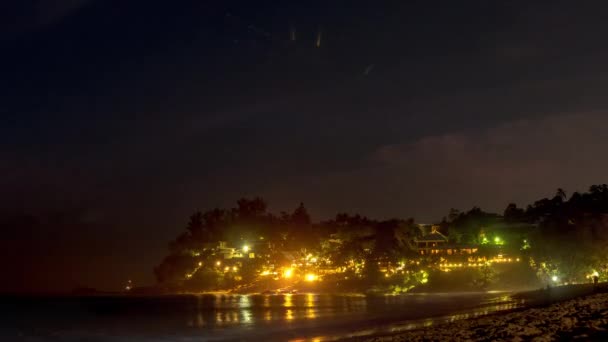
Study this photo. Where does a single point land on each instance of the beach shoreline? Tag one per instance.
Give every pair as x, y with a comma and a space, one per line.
560, 313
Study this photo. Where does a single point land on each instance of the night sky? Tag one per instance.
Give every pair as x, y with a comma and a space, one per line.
120, 118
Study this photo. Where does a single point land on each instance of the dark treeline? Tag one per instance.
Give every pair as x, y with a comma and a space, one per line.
553, 236
274, 236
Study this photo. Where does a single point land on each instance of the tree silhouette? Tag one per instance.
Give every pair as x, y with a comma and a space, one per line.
453, 214
300, 216
514, 214
250, 209
301, 234
560, 193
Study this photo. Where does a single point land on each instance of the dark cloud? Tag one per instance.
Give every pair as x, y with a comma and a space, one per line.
515, 161
22, 16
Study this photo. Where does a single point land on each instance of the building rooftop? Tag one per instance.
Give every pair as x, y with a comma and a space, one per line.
457, 246
434, 236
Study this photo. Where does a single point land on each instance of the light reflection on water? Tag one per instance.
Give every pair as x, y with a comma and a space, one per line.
288, 302
217, 317
253, 310
489, 306
247, 309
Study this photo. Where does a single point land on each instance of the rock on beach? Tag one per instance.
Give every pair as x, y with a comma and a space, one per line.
584, 318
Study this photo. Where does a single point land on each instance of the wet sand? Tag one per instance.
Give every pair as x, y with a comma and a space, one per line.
554, 316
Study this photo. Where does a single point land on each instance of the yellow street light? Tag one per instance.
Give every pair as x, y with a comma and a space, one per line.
288, 273
311, 277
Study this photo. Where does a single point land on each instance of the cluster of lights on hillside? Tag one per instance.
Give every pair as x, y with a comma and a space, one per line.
310, 268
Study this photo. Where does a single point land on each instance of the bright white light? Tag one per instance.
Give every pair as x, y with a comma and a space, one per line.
555, 278
245, 248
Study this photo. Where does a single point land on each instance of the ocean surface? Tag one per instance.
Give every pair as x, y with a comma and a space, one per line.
298, 317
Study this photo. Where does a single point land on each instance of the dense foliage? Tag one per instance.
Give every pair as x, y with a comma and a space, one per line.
555, 237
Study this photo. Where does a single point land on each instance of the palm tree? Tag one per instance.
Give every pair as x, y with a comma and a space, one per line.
560, 193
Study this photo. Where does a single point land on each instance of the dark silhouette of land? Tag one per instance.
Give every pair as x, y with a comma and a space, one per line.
556, 240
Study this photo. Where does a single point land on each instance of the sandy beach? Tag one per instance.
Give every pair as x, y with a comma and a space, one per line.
584, 318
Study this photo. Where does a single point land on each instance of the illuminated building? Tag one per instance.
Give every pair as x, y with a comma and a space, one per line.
431, 243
